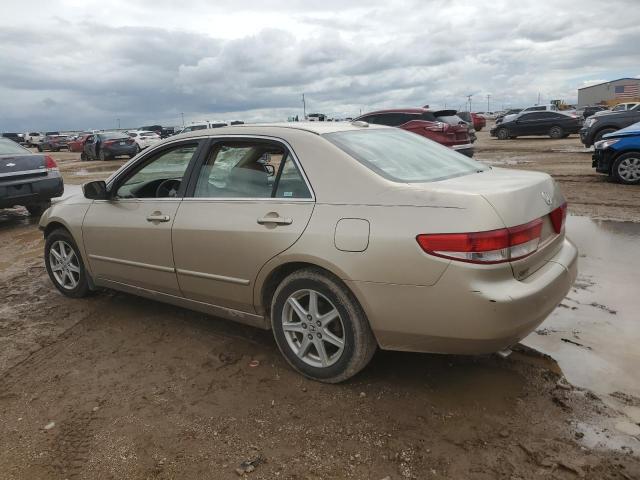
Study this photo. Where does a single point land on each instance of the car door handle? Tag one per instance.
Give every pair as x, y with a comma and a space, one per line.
275, 221
158, 218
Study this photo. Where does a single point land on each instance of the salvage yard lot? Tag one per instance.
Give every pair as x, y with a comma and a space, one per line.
115, 386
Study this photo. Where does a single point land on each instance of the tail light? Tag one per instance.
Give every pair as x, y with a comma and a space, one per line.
495, 246
558, 217
50, 164
436, 127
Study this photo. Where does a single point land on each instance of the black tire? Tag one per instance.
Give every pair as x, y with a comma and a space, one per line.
502, 133
626, 168
82, 288
39, 148
602, 133
556, 132
83, 157
37, 209
359, 342
102, 156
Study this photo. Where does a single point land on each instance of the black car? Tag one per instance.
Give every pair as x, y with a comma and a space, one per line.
16, 137
27, 179
591, 110
107, 145
553, 124
599, 124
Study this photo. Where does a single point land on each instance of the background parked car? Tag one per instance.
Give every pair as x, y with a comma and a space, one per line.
591, 110
512, 111
31, 139
144, 138
108, 145
554, 124
55, 143
474, 120
621, 107
429, 124
16, 137
608, 121
27, 179
618, 155
77, 145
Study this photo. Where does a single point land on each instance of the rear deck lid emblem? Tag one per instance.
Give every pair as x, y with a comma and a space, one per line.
10, 165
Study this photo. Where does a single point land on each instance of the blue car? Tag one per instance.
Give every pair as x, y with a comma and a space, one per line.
618, 155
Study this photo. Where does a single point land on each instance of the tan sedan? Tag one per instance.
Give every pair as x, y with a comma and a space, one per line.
339, 237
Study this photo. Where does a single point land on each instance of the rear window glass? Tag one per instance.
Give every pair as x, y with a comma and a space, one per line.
403, 156
111, 135
9, 147
451, 119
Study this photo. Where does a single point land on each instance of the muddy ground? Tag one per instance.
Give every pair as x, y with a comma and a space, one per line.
115, 386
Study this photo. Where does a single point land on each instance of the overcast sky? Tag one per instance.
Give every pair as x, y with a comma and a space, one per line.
78, 64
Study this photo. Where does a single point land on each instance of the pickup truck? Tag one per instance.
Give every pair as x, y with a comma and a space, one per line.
601, 123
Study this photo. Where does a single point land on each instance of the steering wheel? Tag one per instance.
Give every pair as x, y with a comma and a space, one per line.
168, 188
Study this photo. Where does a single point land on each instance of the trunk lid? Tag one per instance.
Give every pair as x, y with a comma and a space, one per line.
518, 197
12, 166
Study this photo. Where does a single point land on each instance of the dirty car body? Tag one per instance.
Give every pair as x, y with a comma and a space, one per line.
618, 155
339, 237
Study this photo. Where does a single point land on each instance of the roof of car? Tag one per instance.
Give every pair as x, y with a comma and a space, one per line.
400, 110
318, 128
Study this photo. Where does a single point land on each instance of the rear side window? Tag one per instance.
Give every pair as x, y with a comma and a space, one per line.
402, 156
394, 119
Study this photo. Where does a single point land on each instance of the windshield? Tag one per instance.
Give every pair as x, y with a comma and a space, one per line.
9, 147
403, 156
113, 135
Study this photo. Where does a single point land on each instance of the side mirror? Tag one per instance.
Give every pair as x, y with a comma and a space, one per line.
95, 190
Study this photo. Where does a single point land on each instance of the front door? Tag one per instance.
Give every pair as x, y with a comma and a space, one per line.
128, 238
247, 203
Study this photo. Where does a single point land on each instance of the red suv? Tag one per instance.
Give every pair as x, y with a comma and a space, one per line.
442, 126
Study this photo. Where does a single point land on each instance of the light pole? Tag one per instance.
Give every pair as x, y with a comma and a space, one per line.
182, 114
304, 108
488, 98
118, 120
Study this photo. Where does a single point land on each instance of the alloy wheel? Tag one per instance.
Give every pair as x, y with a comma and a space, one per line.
629, 169
64, 264
313, 328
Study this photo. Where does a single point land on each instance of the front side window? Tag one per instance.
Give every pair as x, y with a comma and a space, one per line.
161, 177
246, 169
403, 156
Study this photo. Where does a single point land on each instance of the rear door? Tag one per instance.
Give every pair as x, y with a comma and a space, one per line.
247, 202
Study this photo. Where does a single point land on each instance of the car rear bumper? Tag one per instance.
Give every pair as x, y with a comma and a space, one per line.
469, 310
466, 149
30, 190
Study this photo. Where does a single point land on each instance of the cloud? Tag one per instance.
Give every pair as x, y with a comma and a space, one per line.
79, 65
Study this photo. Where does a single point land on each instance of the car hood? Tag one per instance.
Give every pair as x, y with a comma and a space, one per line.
630, 131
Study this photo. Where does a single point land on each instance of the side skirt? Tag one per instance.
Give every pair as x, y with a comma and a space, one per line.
214, 310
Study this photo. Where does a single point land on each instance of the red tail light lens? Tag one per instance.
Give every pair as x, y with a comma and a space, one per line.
495, 246
558, 217
50, 163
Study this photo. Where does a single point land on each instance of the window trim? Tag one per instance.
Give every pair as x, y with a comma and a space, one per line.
213, 140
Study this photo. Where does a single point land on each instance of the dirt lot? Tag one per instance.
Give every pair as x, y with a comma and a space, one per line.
115, 386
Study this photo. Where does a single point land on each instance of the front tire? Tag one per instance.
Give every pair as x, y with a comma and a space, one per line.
503, 134
64, 264
602, 133
626, 168
320, 327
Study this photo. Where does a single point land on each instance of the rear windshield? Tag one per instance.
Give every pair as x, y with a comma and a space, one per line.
403, 156
451, 119
112, 135
9, 147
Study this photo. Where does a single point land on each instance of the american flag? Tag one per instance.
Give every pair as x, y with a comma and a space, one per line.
627, 91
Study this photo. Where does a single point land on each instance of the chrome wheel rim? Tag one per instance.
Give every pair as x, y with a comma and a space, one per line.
313, 328
64, 264
629, 169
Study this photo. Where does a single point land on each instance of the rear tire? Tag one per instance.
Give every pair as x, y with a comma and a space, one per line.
65, 266
502, 134
102, 155
556, 132
329, 339
37, 209
83, 157
39, 148
626, 168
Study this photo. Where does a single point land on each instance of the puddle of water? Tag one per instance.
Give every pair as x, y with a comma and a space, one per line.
595, 334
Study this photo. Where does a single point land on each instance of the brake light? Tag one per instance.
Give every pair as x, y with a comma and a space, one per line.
494, 246
558, 217
50, 164
436, 127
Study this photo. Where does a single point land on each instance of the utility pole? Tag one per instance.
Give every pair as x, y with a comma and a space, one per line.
469, 101
118, 120
182, 114
304, 108
488, 99
538, 99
